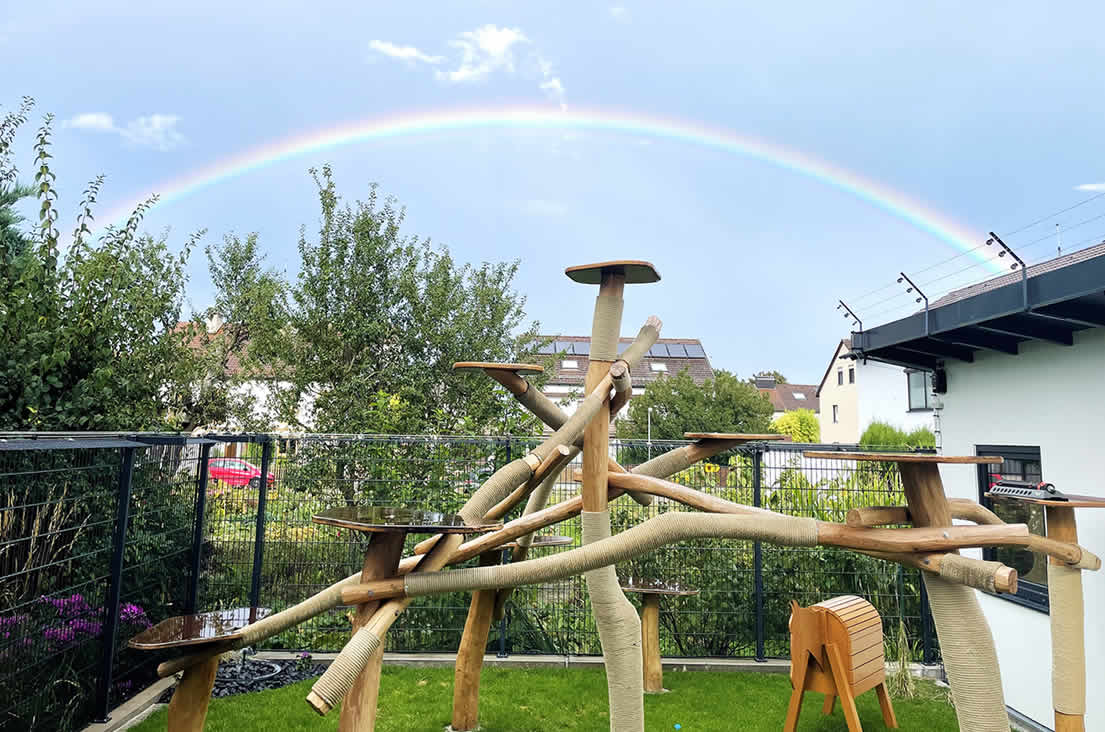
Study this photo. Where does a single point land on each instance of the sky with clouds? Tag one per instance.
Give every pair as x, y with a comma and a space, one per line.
989, 114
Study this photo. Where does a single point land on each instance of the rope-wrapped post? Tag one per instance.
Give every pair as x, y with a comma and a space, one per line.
618, 625
966, 642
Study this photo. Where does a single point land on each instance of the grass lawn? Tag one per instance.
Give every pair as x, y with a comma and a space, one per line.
517, 700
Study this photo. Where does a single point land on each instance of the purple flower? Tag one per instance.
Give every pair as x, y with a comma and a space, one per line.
131, 613
68, 607
87, 627
11, 624
60, 635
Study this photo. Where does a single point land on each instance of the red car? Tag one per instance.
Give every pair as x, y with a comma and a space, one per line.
233, 471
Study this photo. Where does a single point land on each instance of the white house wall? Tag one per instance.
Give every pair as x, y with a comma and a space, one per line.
884, 397
1052, 397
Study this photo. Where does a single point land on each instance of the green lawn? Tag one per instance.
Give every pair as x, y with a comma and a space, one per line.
516, 700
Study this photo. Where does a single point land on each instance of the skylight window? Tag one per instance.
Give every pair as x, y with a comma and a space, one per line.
798, 395
569, 364
658, 366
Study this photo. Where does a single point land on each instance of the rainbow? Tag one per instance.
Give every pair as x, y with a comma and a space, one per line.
882, 197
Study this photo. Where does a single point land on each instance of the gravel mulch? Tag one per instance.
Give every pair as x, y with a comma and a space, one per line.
242, 677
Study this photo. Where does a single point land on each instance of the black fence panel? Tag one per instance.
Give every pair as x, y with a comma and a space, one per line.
226, 521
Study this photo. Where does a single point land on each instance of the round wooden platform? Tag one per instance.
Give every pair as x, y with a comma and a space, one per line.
636, 272
398, 519
518, 368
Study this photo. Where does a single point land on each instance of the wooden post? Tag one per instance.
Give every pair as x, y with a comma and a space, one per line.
596, 437
650, 644
188, 707
473, 644
1061, 526
358, 709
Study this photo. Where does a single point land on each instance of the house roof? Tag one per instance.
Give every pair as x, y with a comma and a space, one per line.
671, 355
789, 397
844, 343
1049, 301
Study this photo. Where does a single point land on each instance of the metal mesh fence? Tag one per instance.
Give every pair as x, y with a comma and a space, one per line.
227, 522
744, 591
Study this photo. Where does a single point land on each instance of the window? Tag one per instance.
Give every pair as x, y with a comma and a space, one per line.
656, 366
695, 351
658, 349
840, 377
1021, 463
677, 350
569, 364
836, 413
798, 395
920, 386
852, 375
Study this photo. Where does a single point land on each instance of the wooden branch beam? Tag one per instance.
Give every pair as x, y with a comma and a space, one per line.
1005, 578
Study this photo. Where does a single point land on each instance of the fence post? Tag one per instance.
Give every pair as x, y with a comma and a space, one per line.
197, 530
757, 555
506, 555
927, 654
115, 586
259, 530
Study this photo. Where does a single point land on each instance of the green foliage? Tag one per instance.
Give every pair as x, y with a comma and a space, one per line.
722, 404
881, 434
801, 425
900, 682
378, 311
88, 339
252, 302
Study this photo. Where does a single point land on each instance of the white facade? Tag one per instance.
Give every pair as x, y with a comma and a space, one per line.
875, 392
1051, 397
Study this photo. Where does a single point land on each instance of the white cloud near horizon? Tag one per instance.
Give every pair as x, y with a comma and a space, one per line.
1090, 187
482, 53
410, 54
620, 14
156, 131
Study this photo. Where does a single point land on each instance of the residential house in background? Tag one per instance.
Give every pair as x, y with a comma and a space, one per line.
667, 356
855, 392
1019, 364
787, 397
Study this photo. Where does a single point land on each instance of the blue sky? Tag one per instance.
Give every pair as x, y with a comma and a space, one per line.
988, 113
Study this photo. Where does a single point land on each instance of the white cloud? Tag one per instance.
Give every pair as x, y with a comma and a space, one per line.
1090, 187
542, 207
555, 91
92, 121
410, 54
619, 14
484, 50
157, 131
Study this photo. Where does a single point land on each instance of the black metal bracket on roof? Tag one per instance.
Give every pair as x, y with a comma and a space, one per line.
913, 287
848, 313
1019, 262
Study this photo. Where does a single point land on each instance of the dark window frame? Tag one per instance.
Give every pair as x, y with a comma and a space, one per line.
836, 414
840, 377
852, 375
927, 378
1029, 594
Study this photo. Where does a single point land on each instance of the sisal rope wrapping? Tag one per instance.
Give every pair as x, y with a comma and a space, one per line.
667, 528
971, 572
1068, 645
619, 633
663, 466
495, 489
605, 328
970, 659
340, 675
539, 497
542, 407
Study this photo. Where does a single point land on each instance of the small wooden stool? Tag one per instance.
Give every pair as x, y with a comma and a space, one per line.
188, 707
650, 592
836, 649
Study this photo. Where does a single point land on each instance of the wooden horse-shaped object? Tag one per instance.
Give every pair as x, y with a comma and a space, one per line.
836, 649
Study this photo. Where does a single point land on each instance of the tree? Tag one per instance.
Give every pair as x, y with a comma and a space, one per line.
88, 338
779, 378
251, 304
379, 316
800, 425
722, 404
